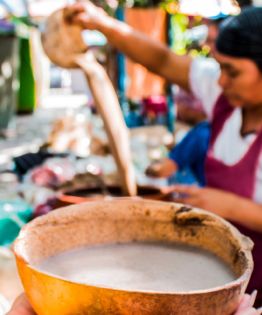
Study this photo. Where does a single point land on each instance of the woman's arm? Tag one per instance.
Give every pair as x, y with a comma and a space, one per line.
226, 204
152, 54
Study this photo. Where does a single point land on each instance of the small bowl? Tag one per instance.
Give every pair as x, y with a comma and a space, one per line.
127, 220
62, 41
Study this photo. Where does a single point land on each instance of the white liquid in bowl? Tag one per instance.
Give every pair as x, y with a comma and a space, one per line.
141, 267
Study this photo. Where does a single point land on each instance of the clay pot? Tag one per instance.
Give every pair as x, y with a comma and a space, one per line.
126, 220
81, 195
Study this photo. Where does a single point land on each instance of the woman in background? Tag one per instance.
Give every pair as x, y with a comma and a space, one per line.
230, 90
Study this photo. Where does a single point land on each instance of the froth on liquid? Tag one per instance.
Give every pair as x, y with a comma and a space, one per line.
141, 266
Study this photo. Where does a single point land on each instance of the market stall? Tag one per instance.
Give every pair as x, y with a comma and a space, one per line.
76, 149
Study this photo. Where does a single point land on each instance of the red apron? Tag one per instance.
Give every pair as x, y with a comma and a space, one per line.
239, 179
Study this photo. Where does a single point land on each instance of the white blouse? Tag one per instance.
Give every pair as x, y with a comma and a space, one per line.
204, 76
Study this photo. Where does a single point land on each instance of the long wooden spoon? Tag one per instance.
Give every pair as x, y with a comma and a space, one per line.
64, 45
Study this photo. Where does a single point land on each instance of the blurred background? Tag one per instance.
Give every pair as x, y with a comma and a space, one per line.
53, 146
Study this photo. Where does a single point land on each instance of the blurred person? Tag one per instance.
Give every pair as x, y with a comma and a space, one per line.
230, 90
188, 107
186, 156
212, 33
190, 153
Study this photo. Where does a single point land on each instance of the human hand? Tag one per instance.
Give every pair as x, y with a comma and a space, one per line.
163, 168
218, 201
246, 306
85, 14
21, 306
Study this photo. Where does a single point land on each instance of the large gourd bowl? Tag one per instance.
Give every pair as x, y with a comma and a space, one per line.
127, 220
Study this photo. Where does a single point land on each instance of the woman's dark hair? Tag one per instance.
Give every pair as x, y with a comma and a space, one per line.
241, 35
244, 3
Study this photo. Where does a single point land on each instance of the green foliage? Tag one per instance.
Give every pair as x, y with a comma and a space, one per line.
179, 24
181, 43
